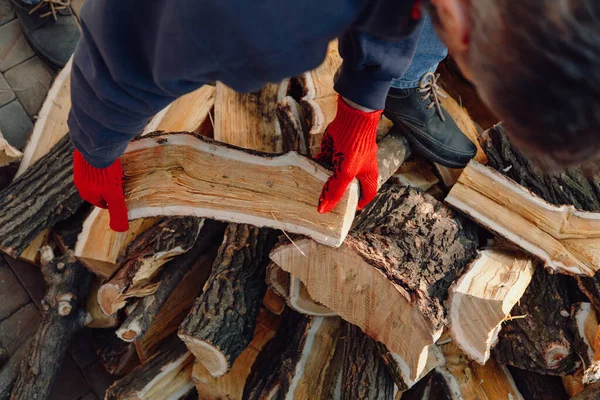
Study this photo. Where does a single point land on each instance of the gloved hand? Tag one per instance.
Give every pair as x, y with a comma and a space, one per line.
349, 144
103, 187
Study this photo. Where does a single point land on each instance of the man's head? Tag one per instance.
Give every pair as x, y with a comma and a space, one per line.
536, 63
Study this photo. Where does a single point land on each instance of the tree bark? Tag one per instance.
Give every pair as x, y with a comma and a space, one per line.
64, 314
364, 374
116, 356
10, 371
138, 322
42, 196
222, 321
534, 386
539, 338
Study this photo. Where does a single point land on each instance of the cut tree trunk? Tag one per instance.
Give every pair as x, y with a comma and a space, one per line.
482, 298
9, 162
538, 336
222, 321
231, 385
299, 362
63, 315
166, 376
143, 259
96, 318
406, 249
39, 198
172, 274
182, 173
364, 375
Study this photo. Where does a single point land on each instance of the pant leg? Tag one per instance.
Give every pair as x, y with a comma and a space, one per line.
430, 51
31, 2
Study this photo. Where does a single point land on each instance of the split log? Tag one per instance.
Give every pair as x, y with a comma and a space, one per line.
9, 162
95, 317
248, 120
63, 315
538, 336
299, 362
584, 327
189, 113
590, 393
534, 386
31, 254
143, 259
482, 299
273, 302
416, 173
290, 121
171, 294
364, 375
65, 232
231, 385
221, 323
166, 376
392, 274
117, 357
10, 371
39, 198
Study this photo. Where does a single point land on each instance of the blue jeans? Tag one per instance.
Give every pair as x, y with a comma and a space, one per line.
32, 2
428, 54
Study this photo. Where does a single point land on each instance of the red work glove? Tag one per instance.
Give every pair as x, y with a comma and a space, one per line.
103, 187
349, 144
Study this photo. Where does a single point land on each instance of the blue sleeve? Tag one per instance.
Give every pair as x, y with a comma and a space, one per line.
378, 48
137, 56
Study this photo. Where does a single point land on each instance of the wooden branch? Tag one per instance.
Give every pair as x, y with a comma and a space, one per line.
221, 323
364, 375
299, 362
50, 183
143, 259
391, 228
482, 298
166, 376
231, 385
63, 315
173, 273
9, 162
538, 338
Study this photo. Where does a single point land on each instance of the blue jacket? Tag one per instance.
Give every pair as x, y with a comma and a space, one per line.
137, 56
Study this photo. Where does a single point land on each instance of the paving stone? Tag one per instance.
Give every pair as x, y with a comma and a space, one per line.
6, 93
12, 295
99, 378
7, 13
82, 348
31, 278
19, 327
14, 48
31, 81
70, 383
15, 124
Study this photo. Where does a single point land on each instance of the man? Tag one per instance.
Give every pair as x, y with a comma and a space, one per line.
136, 57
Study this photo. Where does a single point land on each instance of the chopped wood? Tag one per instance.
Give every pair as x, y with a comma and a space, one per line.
10, 370
416, 173
592, 392
180, 282
221, 323
65, 232
290, 121
176, 174
31, 254
584, 327
143, 259
273, 302
540, 339
564, 238
39, 198
248, 120
117, 357
573, 383
299, 362
51, 124
364, 375
63, 315
189, 113
482, 298
231, 385
9, 162
166, 376
407, 281
534, 386
95, 317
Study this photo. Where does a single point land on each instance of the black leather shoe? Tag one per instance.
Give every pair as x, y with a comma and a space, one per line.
50, 28
428, 127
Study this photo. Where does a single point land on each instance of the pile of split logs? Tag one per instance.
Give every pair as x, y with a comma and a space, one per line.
472, 284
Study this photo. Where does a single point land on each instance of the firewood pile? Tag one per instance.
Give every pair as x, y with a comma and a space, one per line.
452, 284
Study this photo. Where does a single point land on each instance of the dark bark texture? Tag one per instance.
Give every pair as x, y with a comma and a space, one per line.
10, 370
540, 339
172, 273
292, 132
417, 242
116, 356
431, 387
534, 386
364, 374
38, 199
224, 316
66, 232
64, 311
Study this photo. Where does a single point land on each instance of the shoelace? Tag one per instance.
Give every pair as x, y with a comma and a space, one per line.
55, 5
432, 92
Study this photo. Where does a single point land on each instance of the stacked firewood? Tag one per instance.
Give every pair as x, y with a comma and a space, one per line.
452, 284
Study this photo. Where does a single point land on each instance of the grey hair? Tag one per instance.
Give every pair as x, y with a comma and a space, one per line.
537, 64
